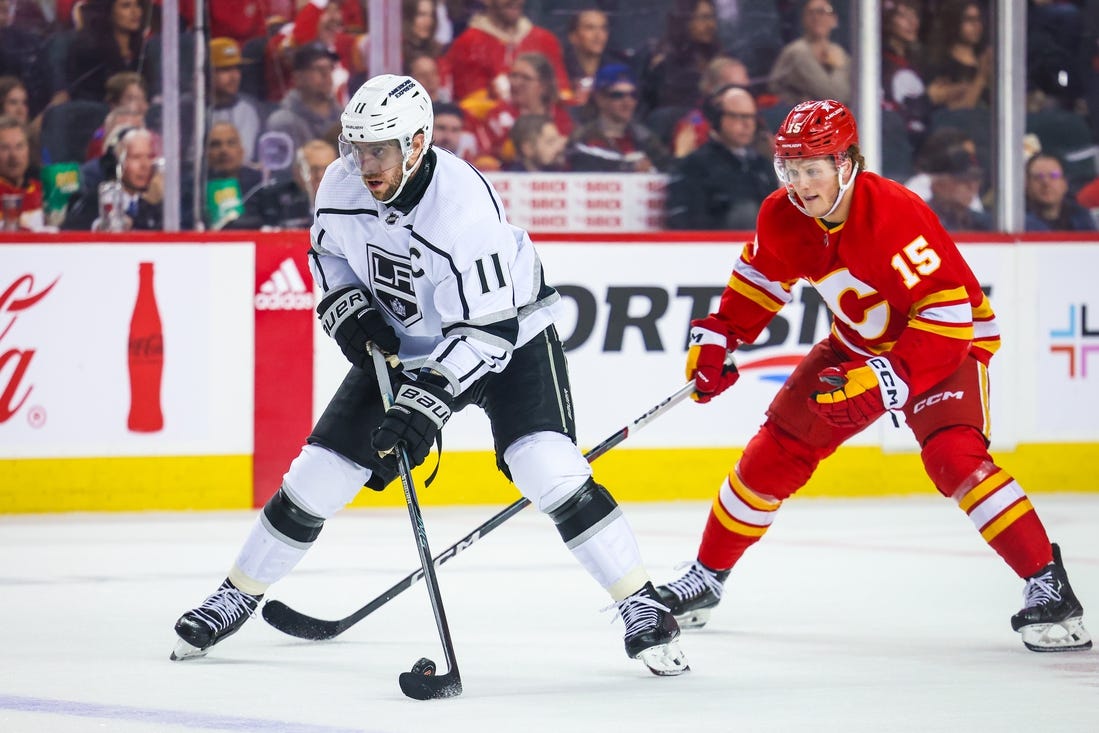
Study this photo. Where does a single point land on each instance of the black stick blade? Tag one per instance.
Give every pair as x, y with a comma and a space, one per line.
294, 623
430, 687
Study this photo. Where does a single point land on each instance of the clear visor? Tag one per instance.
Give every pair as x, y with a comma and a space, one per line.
792, 171
370, 157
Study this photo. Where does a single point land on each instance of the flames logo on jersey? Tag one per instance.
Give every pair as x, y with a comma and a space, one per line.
393, 285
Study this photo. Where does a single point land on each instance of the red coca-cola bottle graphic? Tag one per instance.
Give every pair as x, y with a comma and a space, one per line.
146, 358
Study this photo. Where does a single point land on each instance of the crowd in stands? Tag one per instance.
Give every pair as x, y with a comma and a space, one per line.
692, 89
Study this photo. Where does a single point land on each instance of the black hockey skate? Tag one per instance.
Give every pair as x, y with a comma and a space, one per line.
219, 616
1052, 619
652, 633
692, 597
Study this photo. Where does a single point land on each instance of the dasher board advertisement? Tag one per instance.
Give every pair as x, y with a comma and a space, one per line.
1064, 383
126, 350
627, 312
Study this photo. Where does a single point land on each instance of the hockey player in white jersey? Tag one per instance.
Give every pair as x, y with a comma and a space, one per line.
424, 264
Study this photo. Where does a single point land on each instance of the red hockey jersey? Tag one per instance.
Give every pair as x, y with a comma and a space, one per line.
891, 275
481, 53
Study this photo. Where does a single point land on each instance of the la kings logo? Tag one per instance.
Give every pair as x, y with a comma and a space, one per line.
393, 285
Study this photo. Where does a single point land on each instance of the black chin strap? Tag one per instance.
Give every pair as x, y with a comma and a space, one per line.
417, 184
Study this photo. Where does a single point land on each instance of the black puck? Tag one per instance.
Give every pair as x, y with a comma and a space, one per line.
424, 666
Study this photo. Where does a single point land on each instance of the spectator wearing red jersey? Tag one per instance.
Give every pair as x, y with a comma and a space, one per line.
533, 92
16, 178
485, 51
240, 20
339, 26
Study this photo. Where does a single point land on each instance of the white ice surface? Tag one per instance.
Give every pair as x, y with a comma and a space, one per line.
867, 615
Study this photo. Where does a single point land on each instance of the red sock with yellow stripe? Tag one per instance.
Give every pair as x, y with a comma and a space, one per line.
738, 518
1006, 519
957, 460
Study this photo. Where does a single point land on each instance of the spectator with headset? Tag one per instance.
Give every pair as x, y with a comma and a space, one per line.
692, 130
132, 198
722, 184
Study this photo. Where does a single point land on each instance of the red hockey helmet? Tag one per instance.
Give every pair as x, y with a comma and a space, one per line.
824, 127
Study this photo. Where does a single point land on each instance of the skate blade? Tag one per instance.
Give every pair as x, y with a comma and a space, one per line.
664, 660
184, 650
695, 619
1065, 636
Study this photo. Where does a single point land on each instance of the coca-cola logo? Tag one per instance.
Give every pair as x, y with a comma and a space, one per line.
15, 362
147, 346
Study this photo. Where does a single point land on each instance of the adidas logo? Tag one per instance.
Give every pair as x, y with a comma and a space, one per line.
285, 290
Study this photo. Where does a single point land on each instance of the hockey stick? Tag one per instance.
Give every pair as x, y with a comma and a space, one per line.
287, 620
421, 683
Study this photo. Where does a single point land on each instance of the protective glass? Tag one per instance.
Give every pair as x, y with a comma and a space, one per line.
369, 157
791, 171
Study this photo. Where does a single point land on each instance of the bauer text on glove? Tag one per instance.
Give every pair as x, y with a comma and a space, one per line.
347, 316
863, 391
708, 348
419, 412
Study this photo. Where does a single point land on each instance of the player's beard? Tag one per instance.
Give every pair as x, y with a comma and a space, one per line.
389, 180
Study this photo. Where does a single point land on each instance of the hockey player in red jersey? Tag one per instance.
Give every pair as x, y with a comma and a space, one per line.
910, 325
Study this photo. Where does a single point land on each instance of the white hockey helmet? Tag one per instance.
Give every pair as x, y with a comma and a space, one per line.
387, 107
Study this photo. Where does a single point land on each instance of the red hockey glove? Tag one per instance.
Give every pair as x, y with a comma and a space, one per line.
863, 391
709, 346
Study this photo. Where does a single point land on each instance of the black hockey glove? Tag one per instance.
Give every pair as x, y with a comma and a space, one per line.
418, 414
346, 316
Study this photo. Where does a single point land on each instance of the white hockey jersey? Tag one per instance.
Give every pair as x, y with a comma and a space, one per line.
461, 286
